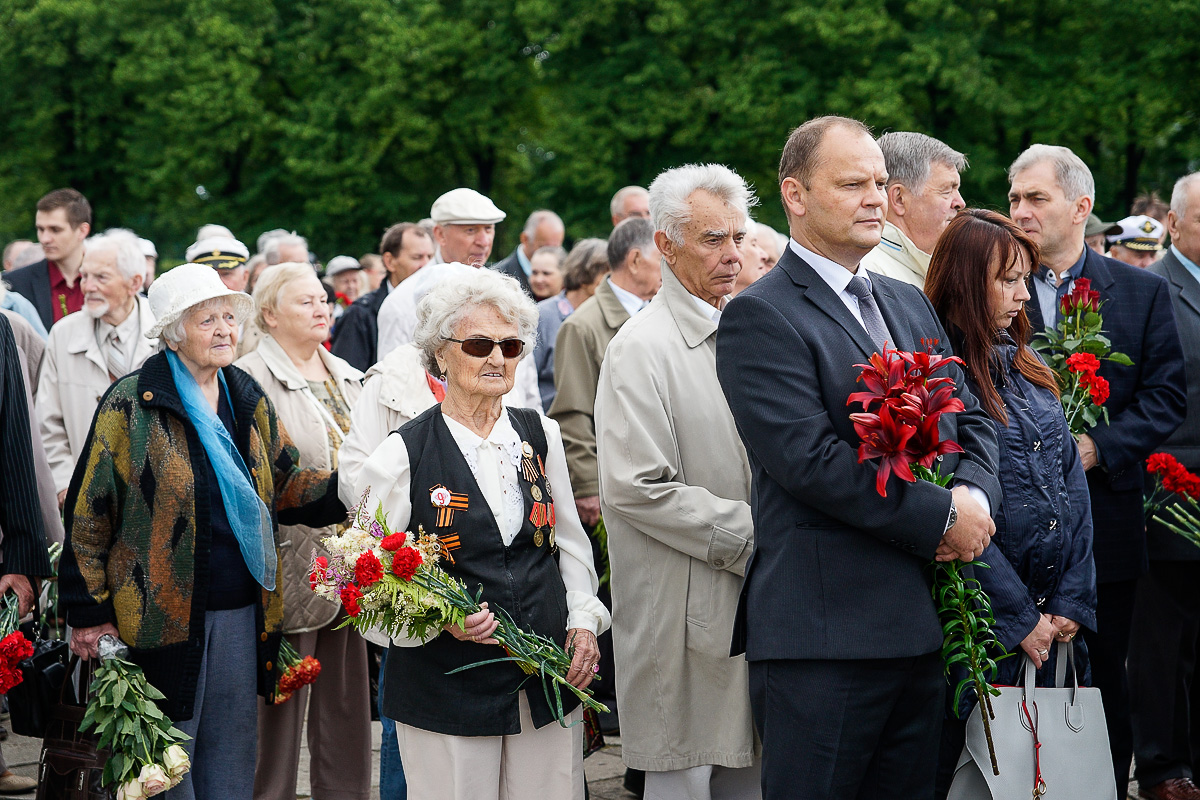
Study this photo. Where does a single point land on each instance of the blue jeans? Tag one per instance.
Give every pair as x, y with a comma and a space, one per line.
392, 785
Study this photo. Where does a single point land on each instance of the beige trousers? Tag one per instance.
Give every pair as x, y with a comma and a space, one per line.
541, 764
339, 724
705, 783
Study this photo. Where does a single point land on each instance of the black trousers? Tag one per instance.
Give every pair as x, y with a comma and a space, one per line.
848, 730
1162, 668
1109, 649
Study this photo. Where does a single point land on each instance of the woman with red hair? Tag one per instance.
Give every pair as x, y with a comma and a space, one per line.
1042, 581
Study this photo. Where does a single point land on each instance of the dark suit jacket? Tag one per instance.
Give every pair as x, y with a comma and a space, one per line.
1184, 443
512, 267
838, 572
356, 335
1146, 403
33, 283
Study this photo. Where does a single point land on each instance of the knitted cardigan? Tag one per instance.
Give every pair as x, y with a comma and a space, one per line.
137, 519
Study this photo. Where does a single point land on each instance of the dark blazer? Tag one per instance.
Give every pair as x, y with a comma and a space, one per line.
838, 572
1147, 402
33, 283
1184, 443
511, 266
356, 335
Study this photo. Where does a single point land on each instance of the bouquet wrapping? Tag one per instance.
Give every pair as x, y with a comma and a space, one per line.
147, 756
903, 404
392, 582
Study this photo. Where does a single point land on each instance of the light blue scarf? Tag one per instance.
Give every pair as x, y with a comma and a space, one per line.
248, 515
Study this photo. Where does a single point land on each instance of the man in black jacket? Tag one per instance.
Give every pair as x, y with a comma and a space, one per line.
63, 220
405, 247
1165, 642
542, 229
1051, 195
835, 615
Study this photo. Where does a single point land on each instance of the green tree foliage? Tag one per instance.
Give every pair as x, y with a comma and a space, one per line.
338, 117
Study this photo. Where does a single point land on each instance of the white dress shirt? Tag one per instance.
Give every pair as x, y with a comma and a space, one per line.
629, 301
387, 473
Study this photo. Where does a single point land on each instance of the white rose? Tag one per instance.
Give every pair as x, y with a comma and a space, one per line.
131, 791
177, 762
154, 780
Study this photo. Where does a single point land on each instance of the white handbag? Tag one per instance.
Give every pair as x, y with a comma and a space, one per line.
1050, 743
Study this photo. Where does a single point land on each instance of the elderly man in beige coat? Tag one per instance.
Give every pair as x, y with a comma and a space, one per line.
91, 348
675, 491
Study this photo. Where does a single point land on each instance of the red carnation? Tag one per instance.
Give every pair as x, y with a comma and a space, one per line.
1161, 463
1083, 362
406, 563
320, 564
367, 570
1098, 389
393, 542
351, 594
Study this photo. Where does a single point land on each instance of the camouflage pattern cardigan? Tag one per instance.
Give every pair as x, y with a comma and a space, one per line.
137, 519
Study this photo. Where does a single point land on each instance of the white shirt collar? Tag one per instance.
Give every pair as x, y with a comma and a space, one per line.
128, 330
710, 311
629, 301
833, 273
502, 435
523, 260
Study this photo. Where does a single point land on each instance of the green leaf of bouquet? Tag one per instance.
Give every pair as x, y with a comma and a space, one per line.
1120, 358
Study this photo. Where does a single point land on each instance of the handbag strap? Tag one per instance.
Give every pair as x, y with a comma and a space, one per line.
1064, 657
1039, 783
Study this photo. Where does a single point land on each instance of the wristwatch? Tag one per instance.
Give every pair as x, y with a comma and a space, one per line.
953, 518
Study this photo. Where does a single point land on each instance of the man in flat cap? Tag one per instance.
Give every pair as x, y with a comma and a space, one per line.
1138, 243
224, 254
1096, 232
464, 229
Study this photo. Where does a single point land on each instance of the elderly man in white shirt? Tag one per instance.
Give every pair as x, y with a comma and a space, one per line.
90, 349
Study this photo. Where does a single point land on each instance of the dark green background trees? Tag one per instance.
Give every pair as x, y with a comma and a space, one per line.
338, 117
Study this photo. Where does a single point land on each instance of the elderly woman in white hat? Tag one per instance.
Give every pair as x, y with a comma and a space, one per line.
171, 528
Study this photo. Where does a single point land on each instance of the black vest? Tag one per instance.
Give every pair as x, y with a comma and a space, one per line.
523, 579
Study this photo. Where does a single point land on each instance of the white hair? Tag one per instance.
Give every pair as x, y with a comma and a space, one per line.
276, 243
537, 218
669, 193
1073, 176
909, 157
448, 303
617, 206
29, 255
1179, 195
125, 246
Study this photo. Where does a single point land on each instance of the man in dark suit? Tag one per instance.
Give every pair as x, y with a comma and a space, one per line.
405, 248
542, 229
1051, 195
1165, 642
835, 615
63, 220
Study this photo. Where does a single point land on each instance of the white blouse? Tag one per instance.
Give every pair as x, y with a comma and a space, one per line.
494, 461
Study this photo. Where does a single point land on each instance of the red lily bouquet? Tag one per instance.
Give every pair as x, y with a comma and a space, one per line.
1075, 350
902, 407
392, 582
1175, 500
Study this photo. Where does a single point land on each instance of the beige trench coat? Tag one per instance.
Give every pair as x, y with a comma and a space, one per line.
73, 379
675, 491
297, 409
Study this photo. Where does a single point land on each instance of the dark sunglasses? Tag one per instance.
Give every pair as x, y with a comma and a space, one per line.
480, 347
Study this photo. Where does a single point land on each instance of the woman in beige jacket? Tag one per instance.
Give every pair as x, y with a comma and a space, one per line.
313, 392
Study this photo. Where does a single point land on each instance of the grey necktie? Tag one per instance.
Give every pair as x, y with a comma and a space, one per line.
115, 356
872, 319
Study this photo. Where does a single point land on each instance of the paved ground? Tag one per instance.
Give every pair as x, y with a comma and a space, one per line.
604, 769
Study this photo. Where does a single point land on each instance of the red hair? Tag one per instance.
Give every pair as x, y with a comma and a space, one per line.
977, 247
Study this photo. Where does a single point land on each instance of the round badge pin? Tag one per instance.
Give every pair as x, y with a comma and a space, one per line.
440, 497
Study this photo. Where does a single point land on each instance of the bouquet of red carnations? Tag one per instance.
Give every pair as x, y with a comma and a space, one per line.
902, 407
392, 582
294, 673
1074, 350
1175, 500
14, 647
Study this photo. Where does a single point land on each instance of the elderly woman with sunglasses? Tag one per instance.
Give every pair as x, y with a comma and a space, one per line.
486, 733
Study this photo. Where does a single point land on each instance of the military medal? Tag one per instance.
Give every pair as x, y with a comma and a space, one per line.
527, 468
538, 538
535, 491
446, 501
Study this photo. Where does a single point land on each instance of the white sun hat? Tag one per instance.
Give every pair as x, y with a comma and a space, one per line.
177, 290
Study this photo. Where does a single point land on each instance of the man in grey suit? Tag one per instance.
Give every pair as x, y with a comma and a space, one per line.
835, 614
1165, 639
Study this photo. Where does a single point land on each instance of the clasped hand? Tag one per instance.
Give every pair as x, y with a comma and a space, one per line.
1050, 628
971, 534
